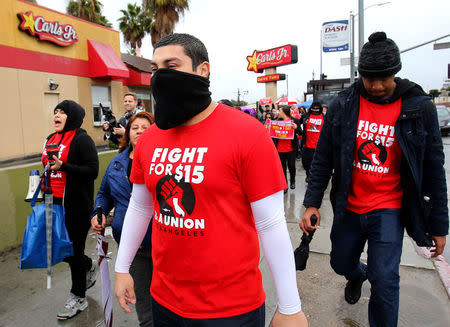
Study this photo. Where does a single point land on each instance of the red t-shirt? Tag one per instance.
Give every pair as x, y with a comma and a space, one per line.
284, 145
58, 178
204, 243
313, 127
376, 159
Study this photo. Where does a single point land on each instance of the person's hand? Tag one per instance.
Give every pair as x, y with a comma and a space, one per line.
439, 244
95, 226
56, 165
295, 320
124, 289
305, 223
119, 130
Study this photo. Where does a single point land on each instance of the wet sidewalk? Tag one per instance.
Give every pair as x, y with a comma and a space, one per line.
423, 297
25, 301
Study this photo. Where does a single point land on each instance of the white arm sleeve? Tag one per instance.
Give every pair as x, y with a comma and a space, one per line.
277, 248
135, 225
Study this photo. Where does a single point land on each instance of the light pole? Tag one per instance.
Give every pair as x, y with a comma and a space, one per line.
352, 47
360, 15
287, 85
361, 24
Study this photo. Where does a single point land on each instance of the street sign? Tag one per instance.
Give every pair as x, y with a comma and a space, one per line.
335, 36
440, 46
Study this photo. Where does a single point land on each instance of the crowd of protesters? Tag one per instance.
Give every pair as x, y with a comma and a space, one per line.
190, 206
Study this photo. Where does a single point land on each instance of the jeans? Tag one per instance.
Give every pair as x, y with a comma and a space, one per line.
163, 317
141, 270
384, 233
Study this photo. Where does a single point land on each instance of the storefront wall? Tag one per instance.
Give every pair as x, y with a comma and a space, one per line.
27, 64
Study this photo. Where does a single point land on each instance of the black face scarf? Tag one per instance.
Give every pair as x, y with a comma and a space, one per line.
179, 96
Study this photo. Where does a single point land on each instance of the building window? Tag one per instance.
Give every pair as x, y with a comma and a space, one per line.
144, 101
100, 95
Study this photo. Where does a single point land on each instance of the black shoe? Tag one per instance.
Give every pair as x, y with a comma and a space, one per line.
293, 186
285, 191
353, 291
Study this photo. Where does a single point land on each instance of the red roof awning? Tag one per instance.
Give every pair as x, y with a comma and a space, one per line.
138, 78
104, 61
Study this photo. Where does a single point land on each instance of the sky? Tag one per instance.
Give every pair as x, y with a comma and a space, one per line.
232, 29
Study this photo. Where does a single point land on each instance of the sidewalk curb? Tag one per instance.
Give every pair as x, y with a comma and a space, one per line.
440, 264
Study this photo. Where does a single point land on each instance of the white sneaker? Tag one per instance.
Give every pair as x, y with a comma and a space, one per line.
91, 275
73, 306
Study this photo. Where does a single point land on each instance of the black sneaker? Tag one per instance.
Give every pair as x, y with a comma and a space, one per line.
353, 291
293, 186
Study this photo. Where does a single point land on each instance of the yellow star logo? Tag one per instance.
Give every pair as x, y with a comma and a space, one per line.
28, 22
252, 62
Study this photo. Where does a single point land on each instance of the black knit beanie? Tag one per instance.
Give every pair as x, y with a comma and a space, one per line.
75, 114
380, 57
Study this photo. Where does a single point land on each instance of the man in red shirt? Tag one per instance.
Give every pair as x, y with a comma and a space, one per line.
382, 147
194, 172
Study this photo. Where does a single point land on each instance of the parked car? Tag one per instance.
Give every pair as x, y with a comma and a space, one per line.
444, 119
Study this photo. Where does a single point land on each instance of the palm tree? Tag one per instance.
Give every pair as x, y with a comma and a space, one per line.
134, 24
90, 10
166, 14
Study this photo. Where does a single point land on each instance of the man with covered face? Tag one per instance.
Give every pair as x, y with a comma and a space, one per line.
312, 125
208, 202
381, 145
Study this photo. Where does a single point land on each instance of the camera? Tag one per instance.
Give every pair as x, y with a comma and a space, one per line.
109, 117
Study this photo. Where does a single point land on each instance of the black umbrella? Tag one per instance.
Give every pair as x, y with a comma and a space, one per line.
301, 253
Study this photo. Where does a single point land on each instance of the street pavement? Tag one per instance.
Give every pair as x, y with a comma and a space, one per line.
25, 301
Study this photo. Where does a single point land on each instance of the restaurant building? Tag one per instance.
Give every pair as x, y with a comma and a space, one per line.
47, 57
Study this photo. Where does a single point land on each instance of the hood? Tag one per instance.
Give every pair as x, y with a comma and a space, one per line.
404, 89
315, 111
75, 114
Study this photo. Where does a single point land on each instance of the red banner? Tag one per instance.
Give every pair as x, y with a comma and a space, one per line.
63, 35
281, 129
260, 60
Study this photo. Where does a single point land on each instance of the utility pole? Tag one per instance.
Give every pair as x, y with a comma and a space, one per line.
239, 93
361, 24
352, 48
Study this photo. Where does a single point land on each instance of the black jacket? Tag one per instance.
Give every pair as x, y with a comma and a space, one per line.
424, 204
81, 168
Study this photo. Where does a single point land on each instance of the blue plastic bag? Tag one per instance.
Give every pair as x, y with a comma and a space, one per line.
34, 248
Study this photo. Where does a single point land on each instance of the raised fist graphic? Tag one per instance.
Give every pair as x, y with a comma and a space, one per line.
371, 151
173, 194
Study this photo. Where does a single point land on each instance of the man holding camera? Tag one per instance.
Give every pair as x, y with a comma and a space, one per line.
114, 133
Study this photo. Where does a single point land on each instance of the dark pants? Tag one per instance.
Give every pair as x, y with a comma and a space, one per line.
163, 317
288, 159
79, 263
384, 233
307, 158
141, 270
